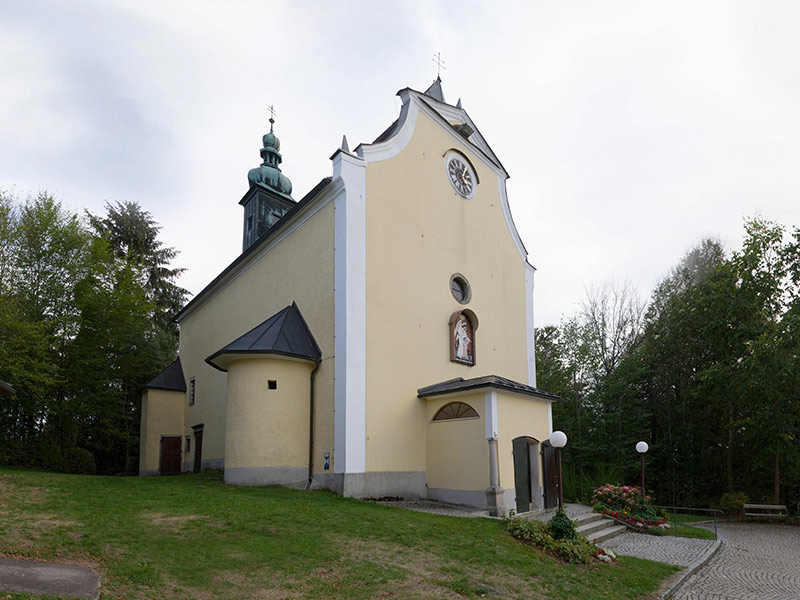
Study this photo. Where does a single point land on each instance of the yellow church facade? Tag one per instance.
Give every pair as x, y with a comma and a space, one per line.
374, 338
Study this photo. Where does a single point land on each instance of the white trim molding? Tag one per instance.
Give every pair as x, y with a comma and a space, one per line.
529, 324
501, 188
350, 328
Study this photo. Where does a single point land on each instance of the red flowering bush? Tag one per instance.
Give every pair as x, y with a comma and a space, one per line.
620, 496
626, 504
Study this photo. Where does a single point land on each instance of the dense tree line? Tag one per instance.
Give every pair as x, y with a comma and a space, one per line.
85, 320
708, 373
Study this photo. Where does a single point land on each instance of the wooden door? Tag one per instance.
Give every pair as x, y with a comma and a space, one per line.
549, 475
170, 455
522, 473
198, 450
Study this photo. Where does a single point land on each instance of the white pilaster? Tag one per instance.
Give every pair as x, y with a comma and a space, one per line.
349, 439
490, 402
529, 325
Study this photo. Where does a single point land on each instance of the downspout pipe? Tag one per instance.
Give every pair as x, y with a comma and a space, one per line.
311, 423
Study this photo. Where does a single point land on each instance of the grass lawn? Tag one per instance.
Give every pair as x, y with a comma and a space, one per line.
692, 532
685, 530
685, 518
192, 536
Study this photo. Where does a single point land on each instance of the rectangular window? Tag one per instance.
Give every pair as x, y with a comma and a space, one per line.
191, 392
188, 443
272, 384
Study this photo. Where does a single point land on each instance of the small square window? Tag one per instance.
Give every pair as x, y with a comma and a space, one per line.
191, 392
272, 384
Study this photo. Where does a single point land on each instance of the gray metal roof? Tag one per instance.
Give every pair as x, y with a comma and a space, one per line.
170, 379
489, 381
285, 333
6, 388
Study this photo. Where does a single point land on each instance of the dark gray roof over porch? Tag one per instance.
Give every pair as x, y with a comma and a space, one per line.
5, 388
453, 386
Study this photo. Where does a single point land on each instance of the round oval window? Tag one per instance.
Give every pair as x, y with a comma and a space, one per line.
460, 288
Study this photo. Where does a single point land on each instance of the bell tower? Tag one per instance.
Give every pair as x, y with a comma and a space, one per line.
270, 193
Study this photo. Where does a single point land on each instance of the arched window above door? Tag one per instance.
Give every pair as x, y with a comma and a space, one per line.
455, 410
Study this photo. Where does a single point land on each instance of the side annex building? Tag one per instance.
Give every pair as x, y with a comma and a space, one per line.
374, 338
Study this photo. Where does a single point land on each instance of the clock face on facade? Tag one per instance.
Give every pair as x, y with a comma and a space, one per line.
461, 176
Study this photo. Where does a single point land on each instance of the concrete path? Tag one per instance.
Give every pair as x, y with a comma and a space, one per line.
34, 577
757, 561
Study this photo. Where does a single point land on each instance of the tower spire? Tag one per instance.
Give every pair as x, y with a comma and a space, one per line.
269, 173
435, 89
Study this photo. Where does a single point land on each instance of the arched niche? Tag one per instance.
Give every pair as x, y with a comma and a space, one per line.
462, 326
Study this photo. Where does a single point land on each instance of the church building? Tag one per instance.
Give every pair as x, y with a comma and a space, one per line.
375, 337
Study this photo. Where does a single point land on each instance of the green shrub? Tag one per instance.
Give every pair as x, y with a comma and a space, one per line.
68, 460
79, 461
732, 503
536, 533
561, 526
570, 480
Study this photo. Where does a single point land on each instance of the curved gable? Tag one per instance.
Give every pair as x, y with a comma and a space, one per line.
466, 138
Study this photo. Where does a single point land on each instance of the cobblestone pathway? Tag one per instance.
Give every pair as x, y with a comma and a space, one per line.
756, 562
679, 551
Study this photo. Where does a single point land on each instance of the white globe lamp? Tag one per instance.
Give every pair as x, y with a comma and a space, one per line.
641, 448
558, 439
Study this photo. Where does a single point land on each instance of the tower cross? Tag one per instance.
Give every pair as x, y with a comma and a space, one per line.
437, 58
271, 116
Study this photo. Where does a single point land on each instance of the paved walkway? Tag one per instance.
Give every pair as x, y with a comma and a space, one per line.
34, 577
757, 561
668, 549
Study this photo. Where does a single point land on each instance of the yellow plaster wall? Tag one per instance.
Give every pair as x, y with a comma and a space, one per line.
300, 269
457, 450
271, 426
162, 414
518, 416
420, 232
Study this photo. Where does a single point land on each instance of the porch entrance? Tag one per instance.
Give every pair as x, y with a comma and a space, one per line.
549, 475
526, 474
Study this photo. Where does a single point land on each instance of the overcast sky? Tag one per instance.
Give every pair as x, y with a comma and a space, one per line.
631, 130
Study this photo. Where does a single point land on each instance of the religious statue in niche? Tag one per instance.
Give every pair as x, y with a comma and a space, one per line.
462, 340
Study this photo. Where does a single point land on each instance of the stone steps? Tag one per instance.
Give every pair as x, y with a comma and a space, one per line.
596, 528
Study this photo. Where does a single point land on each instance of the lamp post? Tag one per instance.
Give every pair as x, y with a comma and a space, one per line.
641, 448
558, 439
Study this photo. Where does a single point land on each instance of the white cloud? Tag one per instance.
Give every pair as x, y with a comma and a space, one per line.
631, 130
